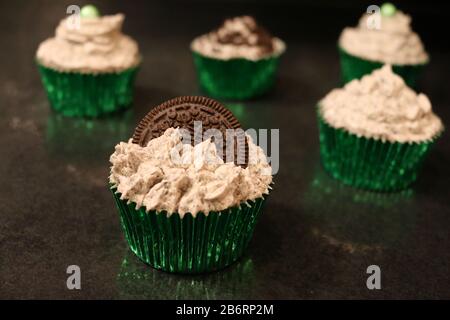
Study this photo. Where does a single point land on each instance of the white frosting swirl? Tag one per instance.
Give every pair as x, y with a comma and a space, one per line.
98, 45
381, 106
393, 43
155, 178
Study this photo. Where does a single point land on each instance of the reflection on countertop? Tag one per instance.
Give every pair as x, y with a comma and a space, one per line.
355, 219
78, 138
137, 280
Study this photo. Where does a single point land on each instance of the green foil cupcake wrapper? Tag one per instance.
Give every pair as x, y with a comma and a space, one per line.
353, 67
369, 163
237, 78
190, 244
88, 95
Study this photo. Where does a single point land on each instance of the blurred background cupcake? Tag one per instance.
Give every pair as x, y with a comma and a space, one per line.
375, 132
383, 37
237, 61
88, 68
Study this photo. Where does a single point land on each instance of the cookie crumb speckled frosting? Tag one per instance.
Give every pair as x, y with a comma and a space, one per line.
175, 177
381, 106
97, 46
239, 37
394, 42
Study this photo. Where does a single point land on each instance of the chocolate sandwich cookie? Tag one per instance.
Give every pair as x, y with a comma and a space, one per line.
183, 112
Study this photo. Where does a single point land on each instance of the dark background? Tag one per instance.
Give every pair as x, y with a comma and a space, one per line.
315, 239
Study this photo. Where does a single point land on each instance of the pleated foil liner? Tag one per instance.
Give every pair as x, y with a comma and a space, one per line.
88, 95
190, 244
236, 78
369, 163
353, 67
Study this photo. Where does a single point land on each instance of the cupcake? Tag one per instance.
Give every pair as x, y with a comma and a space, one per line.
238, 60
375, 132
185, 207
88, 68
368, 46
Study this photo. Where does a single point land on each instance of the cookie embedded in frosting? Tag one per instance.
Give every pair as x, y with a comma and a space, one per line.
239, 37
97, 46
394, 42
381, 106
180, 178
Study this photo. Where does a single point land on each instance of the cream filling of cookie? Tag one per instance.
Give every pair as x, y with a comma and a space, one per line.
98, 45
178, 178
381, 106
393, 43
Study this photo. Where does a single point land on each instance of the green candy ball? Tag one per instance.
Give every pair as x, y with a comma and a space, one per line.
388, 9
89, 11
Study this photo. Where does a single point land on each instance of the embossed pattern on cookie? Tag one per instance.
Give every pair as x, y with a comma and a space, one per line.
183, 112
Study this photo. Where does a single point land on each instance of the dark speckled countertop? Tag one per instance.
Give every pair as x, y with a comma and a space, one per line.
315, 238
